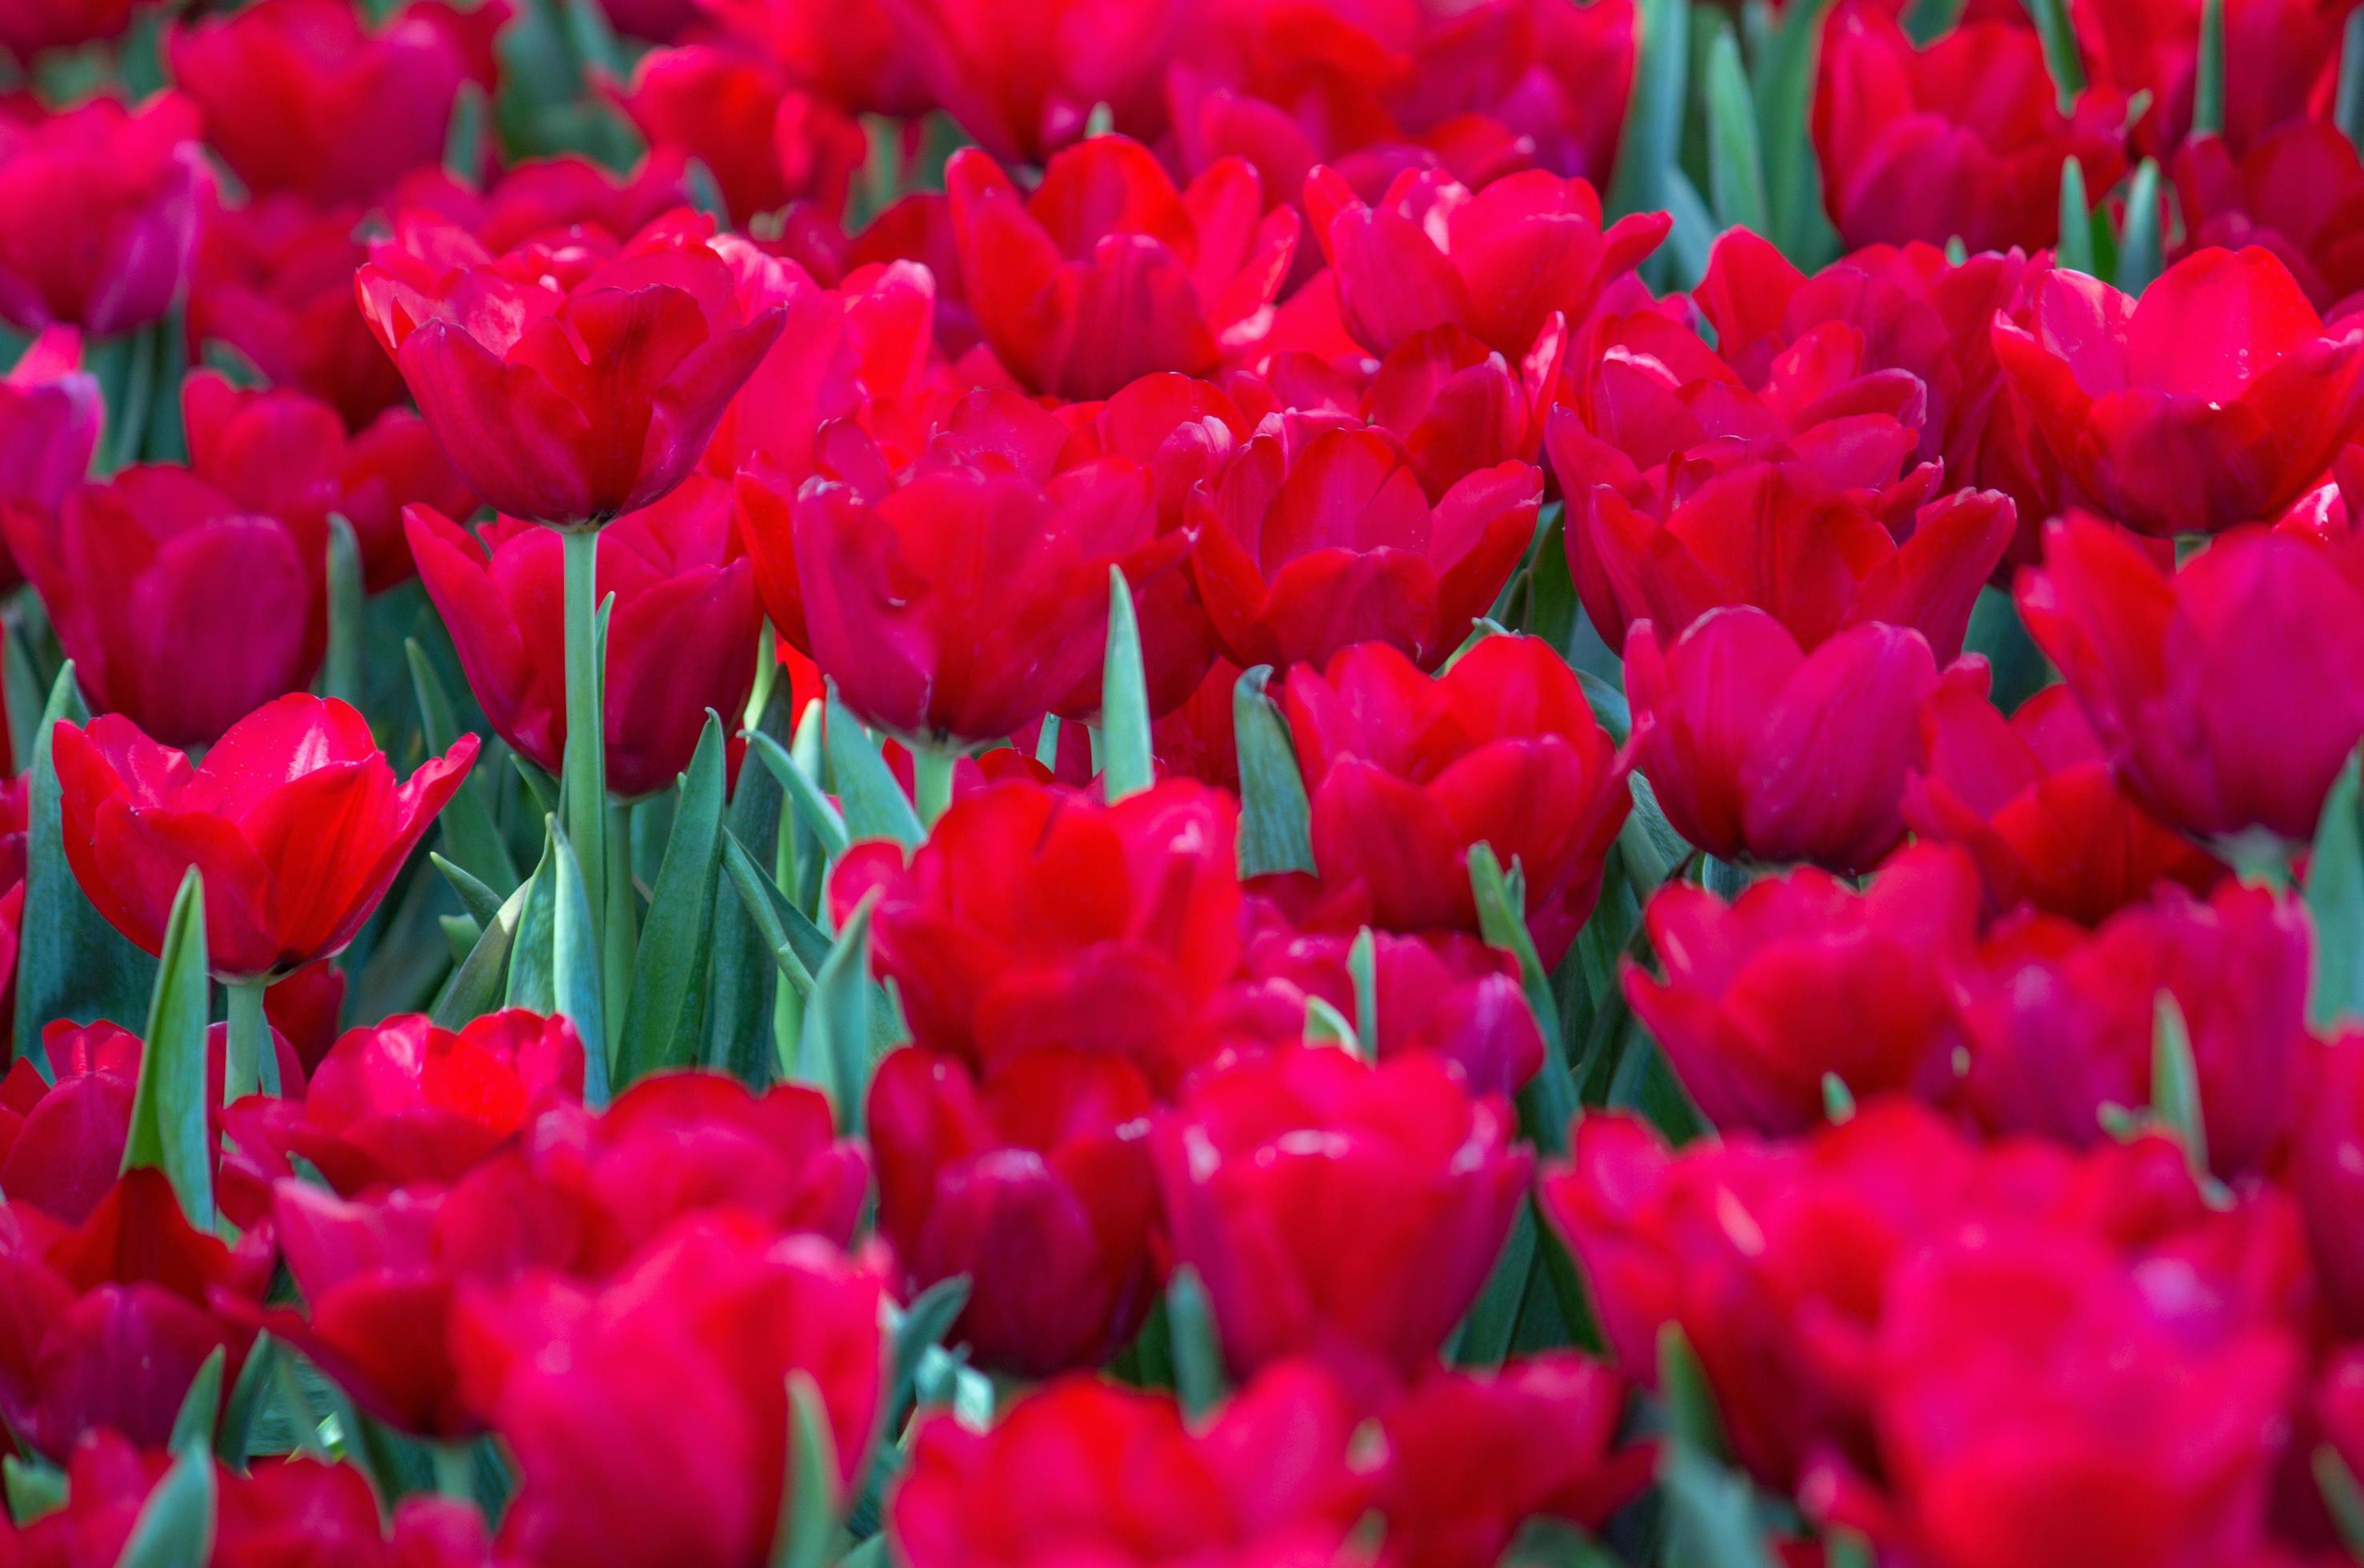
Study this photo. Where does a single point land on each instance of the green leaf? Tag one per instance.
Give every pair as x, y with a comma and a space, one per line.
166, 438
1735, 166
2060, 55
200, 1412
1689, 244
175, 1527
2175, 1082
1839, 1100
1325, 1025
1275, 819
1548, 1103
919, 1328
475, 986
2348, 110
1198, 1355
574, 966
820, 813
1490, 1328
35, 1488
875, 804
22, 690
2076, 251
341, 673
257, 1381
1926, 21
1691, 1418
531, 983
481, 902
1129, 764
797, 945
665, 969
740, 981
835, 1052
808, 1501
168, 1108
464, 139
70, 962
1609, 708
2342, 1498
2335, 900
1785, 96
2138, 250
1363, 968
466, 823
2208, 94
1653, 114
1710, 1520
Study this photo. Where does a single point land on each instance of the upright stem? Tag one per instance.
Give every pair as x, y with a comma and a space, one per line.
586, 762
932, 774
252, 1064
618, 937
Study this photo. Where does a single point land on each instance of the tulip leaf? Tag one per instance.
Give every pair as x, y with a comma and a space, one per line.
1548, 1102
2334, 899
1489, 1332
1325, 1025
1363, 968
2175, 1082
1653, 114
1839, 1100
917, 1330
200, 1412
1785, 96
666, 971
341, 673
1274, 817
481, 902
835, 1052
256, 1381
2076, 248
796, 946
165, 438
875, 804
1609, 708
22, 690
2208, 93
1129, 764
70, 964
1691, 1416
1197, 1354
529, 984
809, 1500
2343, 1498
475, 986
466, 825
2347, 111
575, 965
2139, 246
1735, 167
463, 137
169, 1130
739, 975
1710, 1518
1926, 21
175, 1527
2060, 53
803, 792
1692, 237
35, 1488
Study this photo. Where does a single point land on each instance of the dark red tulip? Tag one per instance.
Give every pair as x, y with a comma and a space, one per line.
1105, 272
1338, 1209
2034, 800
689, 1350
110, 1318
1758, 749
852, 54
99, 206
2217, 398
134, 573
1035, 1183
287, 87
2227, 693
1266, 1481
764, 141
50, 415
2061, 1024
1964, 138
1497, 262
1750, 985
1026, 91
1408, 774
1314, 542
562, 202
1501, 86
1107, 928
29, 26
2326, 1177
293, 818
678, 641
304, 1007
566, 397
2281, 58
2298, 193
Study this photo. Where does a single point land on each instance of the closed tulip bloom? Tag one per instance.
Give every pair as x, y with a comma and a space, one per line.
50, 414
2033, 798
2298, 193
135, 572
1965, 138
2326, 1177
286, 84
679, 639
1745, 1011
1025, 87
1497, 262
1337, 1209
764, 141
1268, 1480
1409, 774
566, 396
99, 208
1036, 1185
1307, 546
293, 818
2227, 693
2216, 398
1761, 749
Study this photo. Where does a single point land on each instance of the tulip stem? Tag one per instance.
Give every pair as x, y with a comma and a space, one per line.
932, 778
252, 1064
585, 762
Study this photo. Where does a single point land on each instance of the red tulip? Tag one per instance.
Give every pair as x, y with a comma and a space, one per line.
2298, 193
1408, 774
134, 573
1757, 747
98, 214
29, 26
1036, 1185
1471, 1457
2281, 60
1502, 86
1498, 262
851, 54
50, 419
2216, 399
565, 398
1965, 138
1025, 92
766, 143
61, 1143
293, 818
2326, 1177
2033, 799
561, 203
1105, 272
2228, 693
2061, 1023
1309, 545
304, 1007
1085, 1472
110, 1320
688, 1352
1107, 927
678, 644
1338, 1209
303, 95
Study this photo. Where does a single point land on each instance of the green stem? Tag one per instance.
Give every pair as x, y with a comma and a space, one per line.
932, 768
252, 1064
585, 762
620, 938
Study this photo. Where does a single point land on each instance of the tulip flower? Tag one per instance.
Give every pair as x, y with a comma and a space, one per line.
764, 141
688, 1352
27, 28
1337, 1209
678, 641
111, 1318
1036, 1185
1266, 1480
1965, 138
2298, 193
1408, 774
853, 54
1496, 262
2033, 799
50, 417
1106, 272
2060, 1024
2228, 693
285, 85
2326, 1177
1749, 986
293, 818
1757, 747
99, 205
1025, 92
134, 573
557, 203
2280, 57
2217, 398
1305, 548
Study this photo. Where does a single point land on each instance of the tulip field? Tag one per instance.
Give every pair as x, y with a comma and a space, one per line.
1181, 784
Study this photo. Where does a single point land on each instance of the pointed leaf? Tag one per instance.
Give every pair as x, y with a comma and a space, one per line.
2139, 251
168, 1108
1129, 764
818, 810
481, 902
1736, 164
574, 966
200, 1412
740, 978
797, 945
665, 971
341, 673
2175, 1082
175, 1528
809, 1501
466, 823
1198, 1379
875, 804
837, 1044
475, 986
1274, 817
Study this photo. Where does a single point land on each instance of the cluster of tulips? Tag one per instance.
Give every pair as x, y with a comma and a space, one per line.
1233, 784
